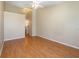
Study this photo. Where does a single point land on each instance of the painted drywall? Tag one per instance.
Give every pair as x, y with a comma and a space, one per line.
14, 26
59, 23
33, 22
1, 25
12, 8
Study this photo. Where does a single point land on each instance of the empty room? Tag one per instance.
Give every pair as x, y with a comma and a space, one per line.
39, 29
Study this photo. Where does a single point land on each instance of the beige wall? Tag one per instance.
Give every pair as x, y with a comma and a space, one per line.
59, 23
11, 8
1, 25
14, 26
33, 22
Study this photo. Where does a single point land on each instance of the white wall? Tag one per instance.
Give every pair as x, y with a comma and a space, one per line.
33, 22
14, 26
1, 26
59, 23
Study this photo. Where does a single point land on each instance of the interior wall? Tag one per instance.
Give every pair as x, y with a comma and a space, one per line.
59, 23
1, 25
14, 22
33, 22
14, 26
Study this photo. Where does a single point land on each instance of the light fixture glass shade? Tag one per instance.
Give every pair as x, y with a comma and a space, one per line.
36, 4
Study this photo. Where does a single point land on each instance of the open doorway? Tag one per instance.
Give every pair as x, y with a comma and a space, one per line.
28, 21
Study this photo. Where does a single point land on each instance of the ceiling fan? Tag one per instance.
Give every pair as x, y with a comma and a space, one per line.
36, 4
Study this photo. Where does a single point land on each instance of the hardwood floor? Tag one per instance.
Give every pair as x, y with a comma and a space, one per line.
37, 47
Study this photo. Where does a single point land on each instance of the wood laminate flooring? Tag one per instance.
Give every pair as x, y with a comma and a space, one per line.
37, 47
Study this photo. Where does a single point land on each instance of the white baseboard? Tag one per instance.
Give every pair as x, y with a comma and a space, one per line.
61, 42
13, 38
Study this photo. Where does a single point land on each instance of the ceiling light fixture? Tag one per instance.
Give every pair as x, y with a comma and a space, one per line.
36, 4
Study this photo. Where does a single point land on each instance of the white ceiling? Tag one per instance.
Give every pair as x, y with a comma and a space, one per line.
49, 3
21, 4
24, 4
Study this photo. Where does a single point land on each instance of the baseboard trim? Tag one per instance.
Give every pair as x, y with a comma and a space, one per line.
13, 38
66, 44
